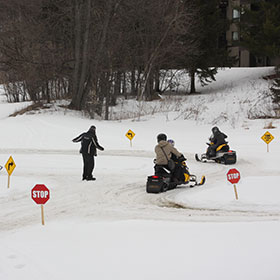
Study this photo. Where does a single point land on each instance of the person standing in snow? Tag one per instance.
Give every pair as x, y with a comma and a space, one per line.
217, 139
89, 144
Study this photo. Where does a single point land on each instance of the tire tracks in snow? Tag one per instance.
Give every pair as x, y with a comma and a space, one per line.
111, 197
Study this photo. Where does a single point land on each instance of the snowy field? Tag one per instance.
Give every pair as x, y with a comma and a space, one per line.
111, 228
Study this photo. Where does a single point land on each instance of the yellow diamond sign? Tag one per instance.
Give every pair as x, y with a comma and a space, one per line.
267, 137
130, 134
10, 165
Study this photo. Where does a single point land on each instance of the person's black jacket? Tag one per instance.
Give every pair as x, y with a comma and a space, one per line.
89, 143
218, 139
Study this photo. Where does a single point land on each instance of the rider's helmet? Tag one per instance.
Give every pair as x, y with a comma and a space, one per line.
161, 136
215, 129
92, 128
171, 141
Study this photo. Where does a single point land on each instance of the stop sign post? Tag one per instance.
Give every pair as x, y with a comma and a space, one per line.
233, 177
40, 194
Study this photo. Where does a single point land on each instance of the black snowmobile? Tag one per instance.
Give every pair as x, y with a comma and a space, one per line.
163, 181
223, 155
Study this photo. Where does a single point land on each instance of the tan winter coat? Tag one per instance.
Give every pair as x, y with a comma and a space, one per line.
168, 149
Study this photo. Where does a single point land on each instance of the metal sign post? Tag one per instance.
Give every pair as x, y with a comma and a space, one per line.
267, 138
130, 135
10, 166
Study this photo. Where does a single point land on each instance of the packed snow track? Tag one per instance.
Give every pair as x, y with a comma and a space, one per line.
118, 193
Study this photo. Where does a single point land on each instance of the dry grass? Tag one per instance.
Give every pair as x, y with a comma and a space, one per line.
269, 126
31, 109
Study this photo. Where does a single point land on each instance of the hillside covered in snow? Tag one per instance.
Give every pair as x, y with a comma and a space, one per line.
237, 94
112, 228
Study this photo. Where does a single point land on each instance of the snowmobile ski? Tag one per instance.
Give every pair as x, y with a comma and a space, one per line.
202, 181
223, 157
201, 159
197, 157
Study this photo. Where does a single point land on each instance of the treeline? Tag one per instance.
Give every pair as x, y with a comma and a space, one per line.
91, 51
260, 28
260, 31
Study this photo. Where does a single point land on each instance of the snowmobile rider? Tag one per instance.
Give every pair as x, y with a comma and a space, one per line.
172, 142
89, 144
217, 139
164, 152
180, 166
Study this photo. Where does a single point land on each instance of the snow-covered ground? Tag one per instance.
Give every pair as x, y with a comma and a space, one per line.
111, 228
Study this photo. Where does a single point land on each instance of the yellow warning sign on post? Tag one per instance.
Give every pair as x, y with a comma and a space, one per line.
130, 135
267, 138
10, 166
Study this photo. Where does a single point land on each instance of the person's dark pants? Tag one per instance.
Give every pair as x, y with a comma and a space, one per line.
179, 173
211, 151
159, 171
88, 166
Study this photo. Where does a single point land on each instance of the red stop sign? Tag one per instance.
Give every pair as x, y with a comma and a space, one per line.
40, 194
233, 176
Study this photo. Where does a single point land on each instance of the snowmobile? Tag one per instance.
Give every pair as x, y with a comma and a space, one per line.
163, 181
223, 155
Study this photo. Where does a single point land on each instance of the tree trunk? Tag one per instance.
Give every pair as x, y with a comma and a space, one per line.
80, 75
77, 49
117, 88
124, 91
157, 82
85, 74
192, 77
133, 87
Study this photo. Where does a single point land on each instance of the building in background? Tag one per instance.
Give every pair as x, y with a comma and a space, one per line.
232, 10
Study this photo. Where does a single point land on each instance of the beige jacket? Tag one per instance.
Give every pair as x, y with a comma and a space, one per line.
168, 149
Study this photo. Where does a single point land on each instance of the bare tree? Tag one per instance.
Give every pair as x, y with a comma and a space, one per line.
33, 51
84, 48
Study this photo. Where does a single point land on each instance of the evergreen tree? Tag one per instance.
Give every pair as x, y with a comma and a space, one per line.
210, 37
275, 89
260, 28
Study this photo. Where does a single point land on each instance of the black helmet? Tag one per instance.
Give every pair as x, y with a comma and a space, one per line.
215, 129
92, 130
161, 136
